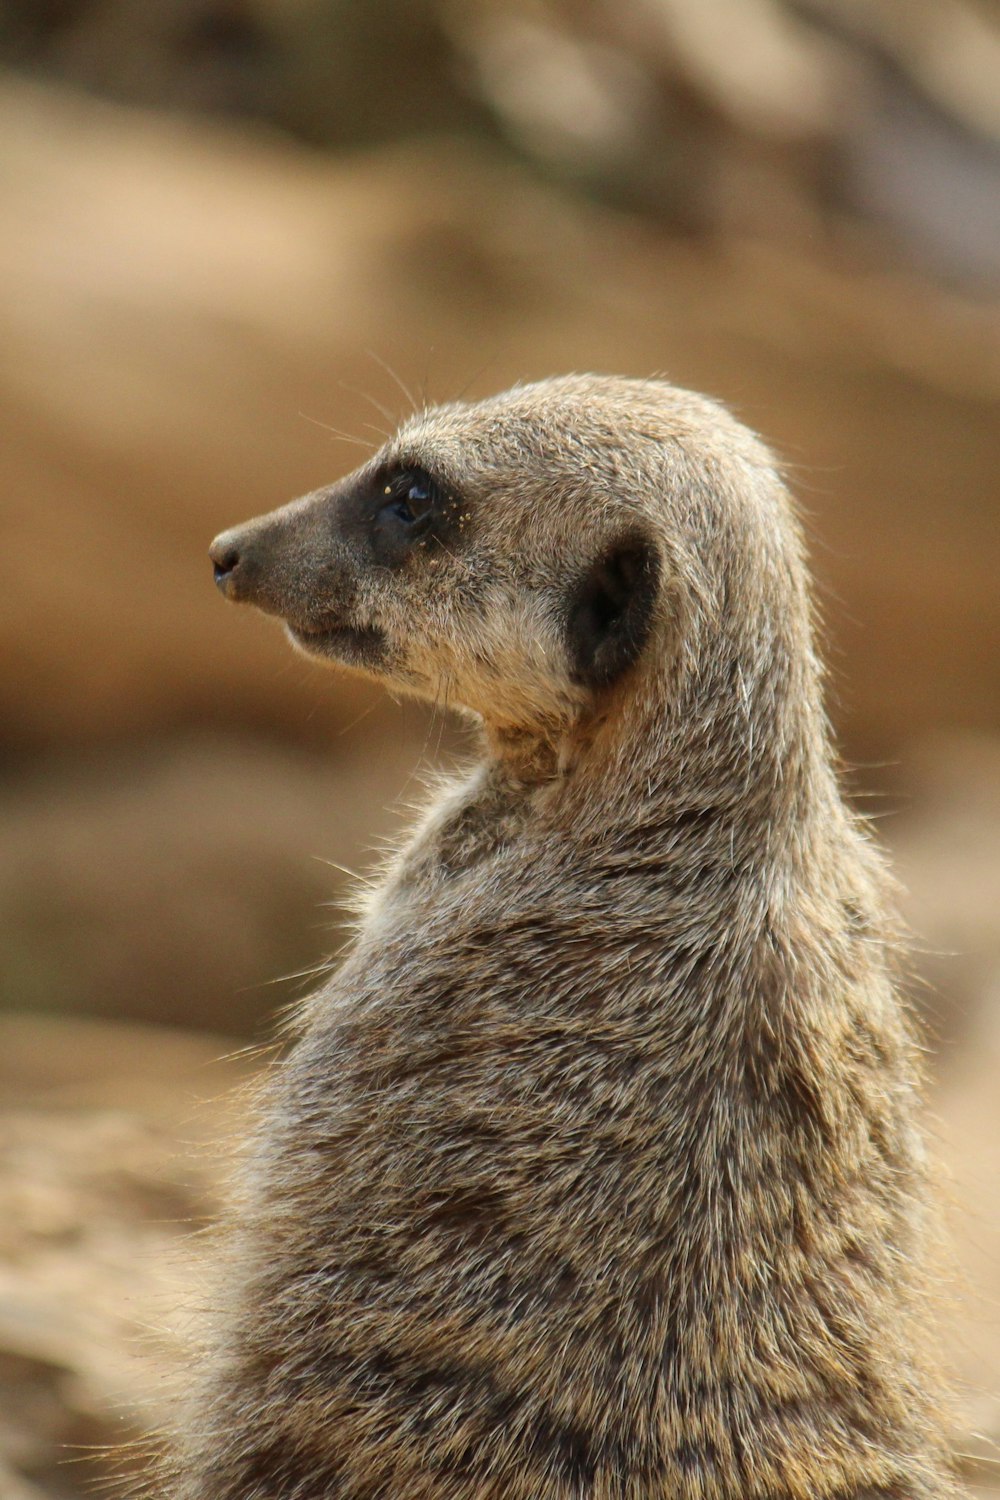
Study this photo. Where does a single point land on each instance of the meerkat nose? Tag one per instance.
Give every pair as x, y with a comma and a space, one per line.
225, 554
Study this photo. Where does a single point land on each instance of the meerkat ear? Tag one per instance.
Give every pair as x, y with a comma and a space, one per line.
611, 611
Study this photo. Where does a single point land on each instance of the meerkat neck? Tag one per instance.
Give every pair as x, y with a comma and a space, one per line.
524, 756
765, 768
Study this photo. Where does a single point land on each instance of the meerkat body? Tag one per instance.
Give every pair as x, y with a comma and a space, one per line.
594, 1169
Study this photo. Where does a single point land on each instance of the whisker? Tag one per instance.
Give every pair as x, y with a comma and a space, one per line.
364, 714
398, 379
338, 432
383, 411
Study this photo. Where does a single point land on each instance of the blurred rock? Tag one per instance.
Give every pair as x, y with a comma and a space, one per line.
110, 1158
966, 1142
324, 70
945, 841
778, 117
180, 883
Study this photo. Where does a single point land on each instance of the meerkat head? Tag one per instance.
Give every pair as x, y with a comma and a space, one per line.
517, 557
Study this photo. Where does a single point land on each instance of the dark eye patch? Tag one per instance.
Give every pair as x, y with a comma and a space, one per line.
411, 510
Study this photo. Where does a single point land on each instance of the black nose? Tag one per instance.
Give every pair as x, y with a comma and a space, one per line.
225, 555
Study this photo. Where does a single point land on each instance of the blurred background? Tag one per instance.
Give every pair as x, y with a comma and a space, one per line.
241, 239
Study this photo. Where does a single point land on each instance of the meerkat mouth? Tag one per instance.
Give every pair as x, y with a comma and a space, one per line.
361, 644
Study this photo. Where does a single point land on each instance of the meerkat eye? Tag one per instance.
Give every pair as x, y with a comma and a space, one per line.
409, 497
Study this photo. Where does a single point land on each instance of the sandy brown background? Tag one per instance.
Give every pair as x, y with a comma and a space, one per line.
240, 238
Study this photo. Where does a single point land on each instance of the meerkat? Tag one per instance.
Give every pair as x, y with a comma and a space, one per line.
594, 1170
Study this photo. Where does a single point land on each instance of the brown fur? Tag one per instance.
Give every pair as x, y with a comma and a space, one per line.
594, 1170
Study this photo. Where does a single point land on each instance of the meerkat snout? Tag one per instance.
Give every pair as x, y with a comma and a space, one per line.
224, 554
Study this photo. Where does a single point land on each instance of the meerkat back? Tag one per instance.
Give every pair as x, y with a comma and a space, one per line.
594, 1170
